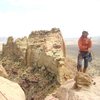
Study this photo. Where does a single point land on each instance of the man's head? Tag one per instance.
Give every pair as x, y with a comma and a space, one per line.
85, 33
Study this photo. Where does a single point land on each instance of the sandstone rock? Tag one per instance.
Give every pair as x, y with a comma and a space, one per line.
67, 92
83, 79
43, 48
37, 62
50, 97
3, 71
10, 40
9, 47
10, 90
15, 50
22, 44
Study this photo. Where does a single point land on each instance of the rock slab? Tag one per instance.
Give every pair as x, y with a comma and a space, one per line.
10, 90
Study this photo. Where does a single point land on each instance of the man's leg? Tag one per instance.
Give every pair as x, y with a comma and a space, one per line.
80, 69
79, 63
85, 65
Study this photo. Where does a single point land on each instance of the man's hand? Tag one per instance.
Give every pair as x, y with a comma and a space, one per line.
89, 50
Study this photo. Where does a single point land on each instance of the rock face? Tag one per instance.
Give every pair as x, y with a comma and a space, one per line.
10, 90
11, 49
86, 92
44, 49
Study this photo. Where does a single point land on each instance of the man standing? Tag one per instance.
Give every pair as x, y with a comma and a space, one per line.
84, 44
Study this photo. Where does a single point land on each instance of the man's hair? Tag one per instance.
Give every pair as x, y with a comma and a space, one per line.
84, 32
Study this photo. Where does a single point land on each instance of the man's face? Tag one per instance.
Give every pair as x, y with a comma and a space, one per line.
85, 34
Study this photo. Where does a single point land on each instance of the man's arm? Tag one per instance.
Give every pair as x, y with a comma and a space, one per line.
90, 45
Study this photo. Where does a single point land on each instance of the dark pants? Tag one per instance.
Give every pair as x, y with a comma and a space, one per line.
82, 56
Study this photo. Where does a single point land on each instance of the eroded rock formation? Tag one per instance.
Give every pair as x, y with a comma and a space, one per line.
38, 62
42, 48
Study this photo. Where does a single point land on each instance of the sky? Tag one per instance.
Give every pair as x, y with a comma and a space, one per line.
19, 17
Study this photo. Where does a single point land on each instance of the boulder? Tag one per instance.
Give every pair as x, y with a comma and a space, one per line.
82, 79
10, 90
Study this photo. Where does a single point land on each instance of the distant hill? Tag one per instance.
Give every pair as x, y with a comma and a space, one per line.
96, 40
3, 39
69, 41
73, 41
